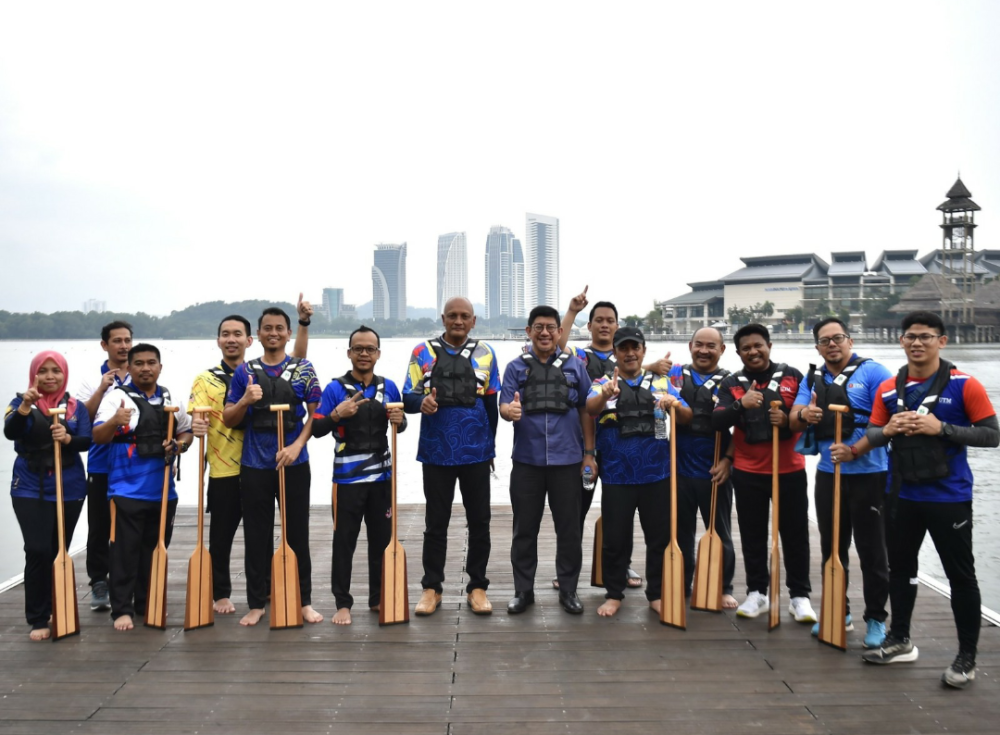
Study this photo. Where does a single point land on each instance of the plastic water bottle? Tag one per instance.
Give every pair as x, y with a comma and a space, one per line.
660, 422
589, 481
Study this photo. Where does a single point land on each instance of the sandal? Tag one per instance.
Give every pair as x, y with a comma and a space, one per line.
555, 583
633, 579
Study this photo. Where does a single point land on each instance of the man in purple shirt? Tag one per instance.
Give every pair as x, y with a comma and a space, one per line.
544, 393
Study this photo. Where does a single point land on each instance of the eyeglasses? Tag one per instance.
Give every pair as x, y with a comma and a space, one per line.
364, 350
924, 339
837, 339
550, 328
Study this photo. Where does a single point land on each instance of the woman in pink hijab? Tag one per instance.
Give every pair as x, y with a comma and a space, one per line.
33, 485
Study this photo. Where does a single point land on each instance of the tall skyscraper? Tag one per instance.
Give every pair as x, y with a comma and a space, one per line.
453, 270
94, 305
542, 237
389, 282
333, 302
504, 274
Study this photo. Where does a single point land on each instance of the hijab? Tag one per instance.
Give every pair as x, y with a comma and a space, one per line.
51, 400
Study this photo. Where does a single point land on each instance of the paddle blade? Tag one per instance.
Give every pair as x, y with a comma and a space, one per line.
65, 613
833, 611
774, 592
707, 592
286, 598
673, 610
198, 612
394, 599
597, 562
156, 599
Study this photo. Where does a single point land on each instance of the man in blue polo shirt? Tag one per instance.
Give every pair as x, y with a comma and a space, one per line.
846, 379
545, 394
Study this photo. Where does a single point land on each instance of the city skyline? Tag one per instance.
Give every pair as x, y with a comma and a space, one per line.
389, 282
504, 274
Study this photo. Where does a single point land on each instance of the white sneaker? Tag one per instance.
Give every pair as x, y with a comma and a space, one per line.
802, 610
754, 605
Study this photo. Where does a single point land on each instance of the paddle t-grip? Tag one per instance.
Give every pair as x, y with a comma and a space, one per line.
838, 408
281, 407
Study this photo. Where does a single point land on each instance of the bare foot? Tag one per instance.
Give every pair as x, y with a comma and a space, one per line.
376, 608
342, 617
253, 617
655, 605
609, 608
223, 606
124, 622
40, 634
729, 602
310, 615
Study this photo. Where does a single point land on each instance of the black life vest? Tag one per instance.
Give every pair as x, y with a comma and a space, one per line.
545, 388
597, 366
755, 422
365, 431
702, 399
920, 458
37, 448
453, 376
151, 428
276, 391
221, 374
634, 408
835, 393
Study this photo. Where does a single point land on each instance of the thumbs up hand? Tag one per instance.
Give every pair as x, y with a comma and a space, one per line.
610, 389
429, 405
253, 392
123, 416
812, 414
661, 366
514, 408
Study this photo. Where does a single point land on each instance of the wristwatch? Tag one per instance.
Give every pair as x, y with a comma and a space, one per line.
590, 452
947, 430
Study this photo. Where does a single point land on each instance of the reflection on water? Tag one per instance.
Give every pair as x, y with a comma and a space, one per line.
183, 359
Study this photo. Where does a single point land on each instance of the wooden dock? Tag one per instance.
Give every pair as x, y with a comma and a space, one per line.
458, 674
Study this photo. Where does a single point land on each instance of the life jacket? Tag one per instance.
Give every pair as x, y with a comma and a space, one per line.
702, 399
597, 366
453, 376
545, 388
920, 458
365, 431
835, 394
756, 423
37, 447
634, 408
276, 391
226, 378
151, 428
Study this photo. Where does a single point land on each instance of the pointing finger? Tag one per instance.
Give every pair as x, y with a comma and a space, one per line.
585, 289
300, 298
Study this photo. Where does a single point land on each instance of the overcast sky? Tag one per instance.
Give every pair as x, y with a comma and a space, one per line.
157, 158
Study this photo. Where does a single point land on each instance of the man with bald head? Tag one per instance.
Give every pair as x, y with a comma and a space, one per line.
698, 384
453, 381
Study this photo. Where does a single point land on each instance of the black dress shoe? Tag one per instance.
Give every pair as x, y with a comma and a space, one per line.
570, 602
519, 603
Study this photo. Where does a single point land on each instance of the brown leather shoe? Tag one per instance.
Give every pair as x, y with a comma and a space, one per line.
429, 602
479, 603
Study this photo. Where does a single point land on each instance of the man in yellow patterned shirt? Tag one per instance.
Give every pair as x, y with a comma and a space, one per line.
225, 446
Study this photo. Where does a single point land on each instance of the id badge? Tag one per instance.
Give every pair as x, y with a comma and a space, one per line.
773, 386
922, 411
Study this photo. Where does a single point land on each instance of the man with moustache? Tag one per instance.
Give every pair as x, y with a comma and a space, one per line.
274, 378
745, 403
453, 382
553, 444
846, 379
697, 470
116, 340
225, 445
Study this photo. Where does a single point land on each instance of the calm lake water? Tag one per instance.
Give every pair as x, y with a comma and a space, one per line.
183, 359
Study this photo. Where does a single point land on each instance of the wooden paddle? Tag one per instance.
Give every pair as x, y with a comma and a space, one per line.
156, 599
833, 611
286, 598
774, 593
199, 612
673, 611
597, 564
394, 600
707, 592
65, 613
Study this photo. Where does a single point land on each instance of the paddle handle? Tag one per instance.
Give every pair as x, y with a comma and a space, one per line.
673, 473
55, 413
393, 470
774, 472
837, 429
168, 466
280, 410
715, 485
204, 411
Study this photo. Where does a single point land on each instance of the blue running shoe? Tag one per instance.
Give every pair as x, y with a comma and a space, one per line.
848, 626
875, 634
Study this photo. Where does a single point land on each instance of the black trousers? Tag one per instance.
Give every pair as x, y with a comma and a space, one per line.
618, 506
861, 501
586, 500
37, 518
137, 532
258, 491
223, 504
950, 527
753, 511
529, 486
98, 527
357, 501
694, 495
439, 492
